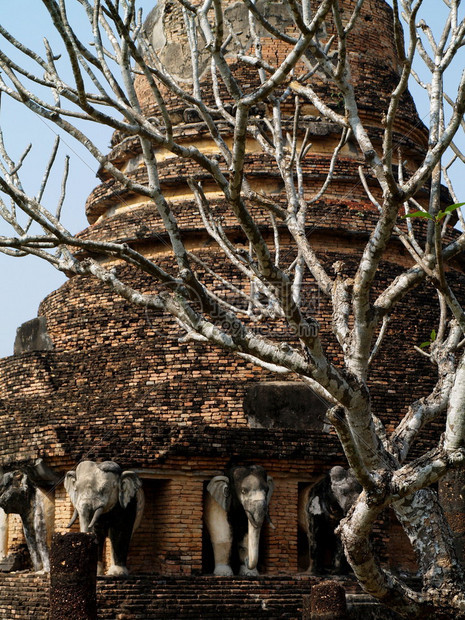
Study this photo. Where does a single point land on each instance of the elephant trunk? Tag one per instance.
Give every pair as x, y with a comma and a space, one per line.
253, 545
255, 518
96, 516
73, 518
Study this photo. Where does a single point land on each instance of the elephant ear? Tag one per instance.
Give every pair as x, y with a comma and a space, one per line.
130, 483
270, 482
70, 485
218, 487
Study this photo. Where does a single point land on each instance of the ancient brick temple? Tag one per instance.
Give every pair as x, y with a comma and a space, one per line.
97, 378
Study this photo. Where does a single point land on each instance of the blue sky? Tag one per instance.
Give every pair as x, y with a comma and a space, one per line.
25, 282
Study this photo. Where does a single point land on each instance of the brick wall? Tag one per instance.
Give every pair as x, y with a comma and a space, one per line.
25, 597
169, 539
63, 511
15, 532
281, 551
202, 597
116, 391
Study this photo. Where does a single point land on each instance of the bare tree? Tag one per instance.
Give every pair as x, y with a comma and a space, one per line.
269, 112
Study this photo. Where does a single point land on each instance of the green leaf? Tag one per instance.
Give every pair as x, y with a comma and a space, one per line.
418, 214
425, 344
451, 208
433, 335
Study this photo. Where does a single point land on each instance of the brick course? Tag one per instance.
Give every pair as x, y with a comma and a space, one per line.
146, 597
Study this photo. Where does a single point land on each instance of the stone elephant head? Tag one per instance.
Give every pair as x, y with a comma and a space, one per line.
109, 502
321, 508
236, 507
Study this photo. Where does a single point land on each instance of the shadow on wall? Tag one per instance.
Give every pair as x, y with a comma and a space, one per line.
281, 404
147, 553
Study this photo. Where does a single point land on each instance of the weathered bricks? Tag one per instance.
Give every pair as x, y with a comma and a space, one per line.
73, 577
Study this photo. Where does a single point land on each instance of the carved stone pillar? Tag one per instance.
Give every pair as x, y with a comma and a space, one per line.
73, 577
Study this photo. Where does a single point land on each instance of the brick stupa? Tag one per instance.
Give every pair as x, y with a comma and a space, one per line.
109, 381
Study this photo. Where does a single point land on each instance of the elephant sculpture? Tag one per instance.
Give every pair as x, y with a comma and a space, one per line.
236, 506
109, 502
321, 508
18, 495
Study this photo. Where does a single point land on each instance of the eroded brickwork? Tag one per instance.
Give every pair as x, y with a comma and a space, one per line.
24, 596
120, 385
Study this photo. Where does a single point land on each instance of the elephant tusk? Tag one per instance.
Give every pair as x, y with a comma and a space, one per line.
73, 518
97, 514
268, 518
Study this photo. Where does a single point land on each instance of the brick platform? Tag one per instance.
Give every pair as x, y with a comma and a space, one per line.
24, 596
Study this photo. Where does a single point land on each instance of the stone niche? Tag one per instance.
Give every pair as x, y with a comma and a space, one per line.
284, 404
